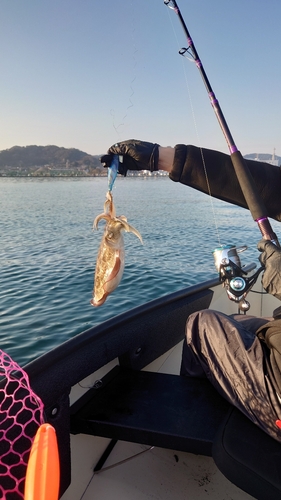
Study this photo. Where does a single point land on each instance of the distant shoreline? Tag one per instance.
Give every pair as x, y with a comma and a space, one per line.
153, 175
19, 176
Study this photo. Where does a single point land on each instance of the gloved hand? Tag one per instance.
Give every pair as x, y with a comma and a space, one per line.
137, 155
271, 259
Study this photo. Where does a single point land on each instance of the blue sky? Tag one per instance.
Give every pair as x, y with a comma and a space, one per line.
89, 73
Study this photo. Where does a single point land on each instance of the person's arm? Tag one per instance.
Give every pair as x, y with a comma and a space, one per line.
203, 169
212, 172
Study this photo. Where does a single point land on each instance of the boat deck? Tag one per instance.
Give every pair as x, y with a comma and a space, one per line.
138, 472
108, 469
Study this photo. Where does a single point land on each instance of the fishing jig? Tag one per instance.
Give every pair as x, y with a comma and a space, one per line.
112, 172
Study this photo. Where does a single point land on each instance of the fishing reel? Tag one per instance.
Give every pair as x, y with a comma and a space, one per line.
235, 278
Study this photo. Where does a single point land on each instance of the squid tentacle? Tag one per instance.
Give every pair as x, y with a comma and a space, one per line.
99, 218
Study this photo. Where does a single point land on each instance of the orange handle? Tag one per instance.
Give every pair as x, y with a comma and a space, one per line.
43, 468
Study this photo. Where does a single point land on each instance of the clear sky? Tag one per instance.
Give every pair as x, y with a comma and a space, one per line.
89, 73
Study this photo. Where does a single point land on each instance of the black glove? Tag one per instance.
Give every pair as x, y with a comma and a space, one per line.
137, 155
271, 259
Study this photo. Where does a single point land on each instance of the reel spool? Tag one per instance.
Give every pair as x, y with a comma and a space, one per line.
235, 277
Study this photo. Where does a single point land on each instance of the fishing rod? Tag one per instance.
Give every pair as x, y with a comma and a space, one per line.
244, 176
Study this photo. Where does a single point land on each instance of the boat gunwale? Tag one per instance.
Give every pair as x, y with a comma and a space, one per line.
96, 333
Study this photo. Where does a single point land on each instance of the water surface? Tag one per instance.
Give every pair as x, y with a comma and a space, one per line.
48, 252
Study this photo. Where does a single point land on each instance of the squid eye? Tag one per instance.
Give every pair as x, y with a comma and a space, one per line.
110, 235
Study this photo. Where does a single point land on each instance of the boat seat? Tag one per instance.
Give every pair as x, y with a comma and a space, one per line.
248, 457
155, 409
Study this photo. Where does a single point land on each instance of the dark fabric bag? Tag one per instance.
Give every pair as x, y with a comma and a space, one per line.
270, 334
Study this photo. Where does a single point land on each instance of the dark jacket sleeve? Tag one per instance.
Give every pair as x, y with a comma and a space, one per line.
191, 162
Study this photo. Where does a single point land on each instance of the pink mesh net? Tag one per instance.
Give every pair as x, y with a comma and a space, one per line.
21, 413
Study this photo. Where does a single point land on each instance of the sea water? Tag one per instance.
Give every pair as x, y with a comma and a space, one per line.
48, 251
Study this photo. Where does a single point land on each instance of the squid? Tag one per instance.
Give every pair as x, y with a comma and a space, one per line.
111, 255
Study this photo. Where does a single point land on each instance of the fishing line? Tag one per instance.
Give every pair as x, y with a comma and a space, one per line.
243, 174
203, 160
191, 59
134, 77
131, 105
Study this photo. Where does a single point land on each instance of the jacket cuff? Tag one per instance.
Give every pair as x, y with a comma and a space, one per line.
178, 163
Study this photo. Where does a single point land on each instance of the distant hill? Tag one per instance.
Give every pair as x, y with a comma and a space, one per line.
262, 157
48, 160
